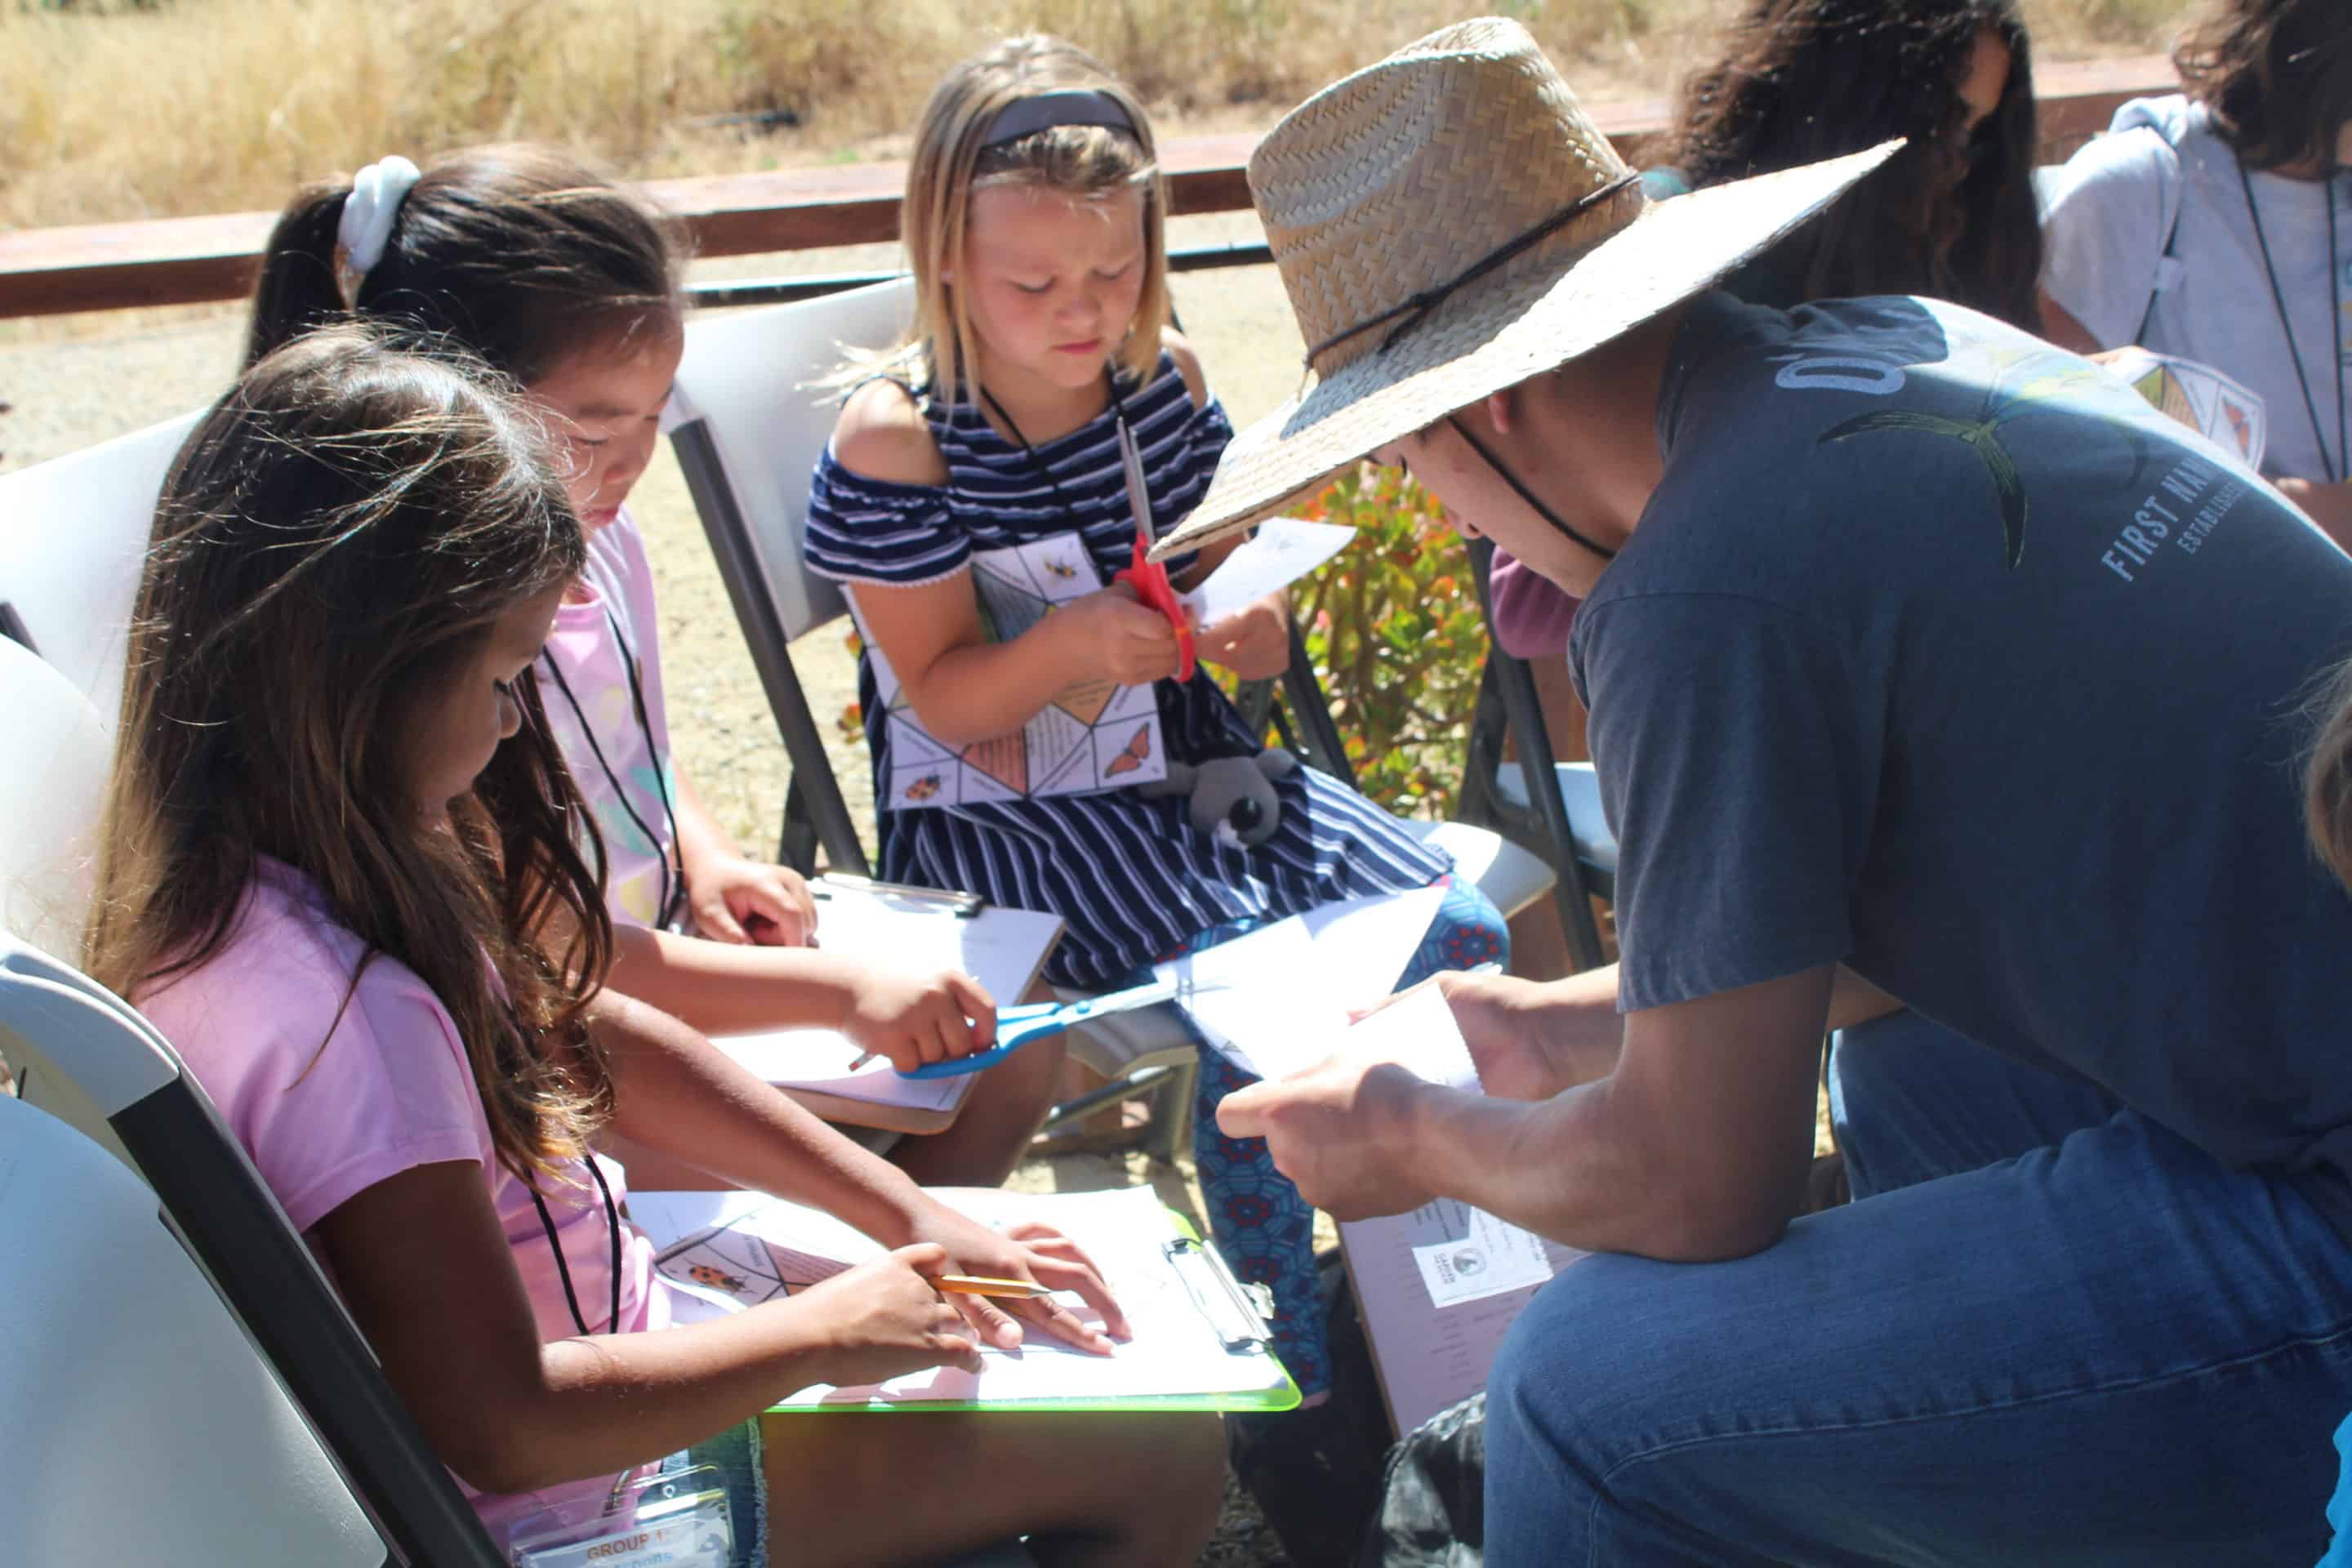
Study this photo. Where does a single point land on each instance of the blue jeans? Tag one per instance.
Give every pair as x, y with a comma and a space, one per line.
2045, 1332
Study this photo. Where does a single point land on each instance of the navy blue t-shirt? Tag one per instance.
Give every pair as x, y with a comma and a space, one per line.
1938, 651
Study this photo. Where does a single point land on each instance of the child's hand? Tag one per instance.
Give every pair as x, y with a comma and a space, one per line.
1113, 635
1037, 1252
741, 900
1253, 642
913, 1017
885, 1318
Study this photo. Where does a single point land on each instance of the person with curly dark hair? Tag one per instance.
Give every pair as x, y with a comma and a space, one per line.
1950, 216
2216, 224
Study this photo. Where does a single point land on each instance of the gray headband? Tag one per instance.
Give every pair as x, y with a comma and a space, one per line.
1076, 106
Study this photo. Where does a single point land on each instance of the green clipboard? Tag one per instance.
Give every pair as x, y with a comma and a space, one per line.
1213, 1290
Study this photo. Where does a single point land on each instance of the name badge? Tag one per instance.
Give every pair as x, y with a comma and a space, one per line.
675, 1519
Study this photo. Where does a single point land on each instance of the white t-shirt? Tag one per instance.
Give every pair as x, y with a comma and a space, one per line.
2161, 171
605, 647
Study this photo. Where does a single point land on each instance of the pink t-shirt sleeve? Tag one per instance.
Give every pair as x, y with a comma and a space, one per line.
1532, 613
326, 1106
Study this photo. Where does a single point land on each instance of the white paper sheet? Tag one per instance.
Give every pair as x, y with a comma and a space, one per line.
1002, 949
1176, 1350
1286, 548
1429, 1357
1277, 1000
1488, 1257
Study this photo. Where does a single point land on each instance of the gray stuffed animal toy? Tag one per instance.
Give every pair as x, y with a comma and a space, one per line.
1232, 799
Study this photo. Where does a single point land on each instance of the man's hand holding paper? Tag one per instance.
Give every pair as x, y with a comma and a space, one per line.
1336, 1127
1527, 1039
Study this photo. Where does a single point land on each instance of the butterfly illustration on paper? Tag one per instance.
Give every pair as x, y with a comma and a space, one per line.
1062, 569
717, 1278
1132, 755
924, 788
2241, 427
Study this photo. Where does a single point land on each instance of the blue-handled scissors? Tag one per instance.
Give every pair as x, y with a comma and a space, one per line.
1016, 1026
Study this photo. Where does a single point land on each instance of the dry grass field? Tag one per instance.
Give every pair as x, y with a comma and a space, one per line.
124, 108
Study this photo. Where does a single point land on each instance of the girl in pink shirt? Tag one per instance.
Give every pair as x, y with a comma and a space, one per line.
340, 875
573, 286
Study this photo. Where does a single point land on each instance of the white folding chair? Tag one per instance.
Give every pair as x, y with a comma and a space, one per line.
142, 1427
86, 1059
73, 534
749, 423
55, 776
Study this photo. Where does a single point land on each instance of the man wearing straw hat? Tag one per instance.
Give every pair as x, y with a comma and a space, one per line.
1924, 662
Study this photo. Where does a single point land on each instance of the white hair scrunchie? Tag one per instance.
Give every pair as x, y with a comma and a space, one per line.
366, 227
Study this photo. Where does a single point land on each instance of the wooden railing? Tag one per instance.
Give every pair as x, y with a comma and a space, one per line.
192, 260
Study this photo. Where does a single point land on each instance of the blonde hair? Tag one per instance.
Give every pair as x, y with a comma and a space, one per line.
950, 161
2328, 779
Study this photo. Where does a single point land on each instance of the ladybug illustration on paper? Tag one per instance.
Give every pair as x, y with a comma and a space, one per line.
717, 1278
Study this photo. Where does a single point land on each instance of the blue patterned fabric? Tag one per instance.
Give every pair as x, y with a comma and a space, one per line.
1261, 1224
1130, 877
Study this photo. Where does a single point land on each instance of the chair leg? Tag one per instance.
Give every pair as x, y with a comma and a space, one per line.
1169, 1132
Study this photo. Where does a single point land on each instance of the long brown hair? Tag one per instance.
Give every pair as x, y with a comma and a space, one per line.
1951, 215
2328, 779
951, 161
336, 537
523, 254
2277, 75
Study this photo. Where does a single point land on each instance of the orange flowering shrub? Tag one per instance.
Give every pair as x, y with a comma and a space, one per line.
1393, 625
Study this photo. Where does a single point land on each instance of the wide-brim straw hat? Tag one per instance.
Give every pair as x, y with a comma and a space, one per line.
1449, 223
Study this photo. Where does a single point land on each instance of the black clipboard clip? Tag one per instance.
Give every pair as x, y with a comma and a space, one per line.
1240, 1313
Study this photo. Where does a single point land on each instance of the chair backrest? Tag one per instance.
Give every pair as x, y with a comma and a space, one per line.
142, 1427
88, 1059
748, 423
73, 534
749, 379
51, 785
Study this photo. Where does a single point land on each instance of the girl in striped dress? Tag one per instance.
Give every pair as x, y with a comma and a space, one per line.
1034, 219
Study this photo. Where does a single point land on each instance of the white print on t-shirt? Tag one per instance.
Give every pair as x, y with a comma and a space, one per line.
2188, 502
2182, 509
1839, 372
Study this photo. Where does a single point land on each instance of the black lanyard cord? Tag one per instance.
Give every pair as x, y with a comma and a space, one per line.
2341, 468
673, 889
1118, 406
1523, 493
564, 1270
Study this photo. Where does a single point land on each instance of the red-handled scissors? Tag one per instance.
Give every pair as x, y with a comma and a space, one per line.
1150, 577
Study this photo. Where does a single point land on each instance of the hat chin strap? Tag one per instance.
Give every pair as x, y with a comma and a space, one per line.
1526, 494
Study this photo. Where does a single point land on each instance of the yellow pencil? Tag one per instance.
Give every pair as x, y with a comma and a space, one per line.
974, 1284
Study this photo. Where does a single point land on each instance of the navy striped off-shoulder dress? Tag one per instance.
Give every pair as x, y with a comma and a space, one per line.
1130, 876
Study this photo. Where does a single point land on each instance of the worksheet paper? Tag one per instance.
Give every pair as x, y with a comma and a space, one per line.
1439, 1285
1093, 735
1176, 1348
2200, 397
1277, 1000
1284, 550
1002, 949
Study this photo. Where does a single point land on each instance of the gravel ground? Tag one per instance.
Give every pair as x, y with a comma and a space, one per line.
70, 382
